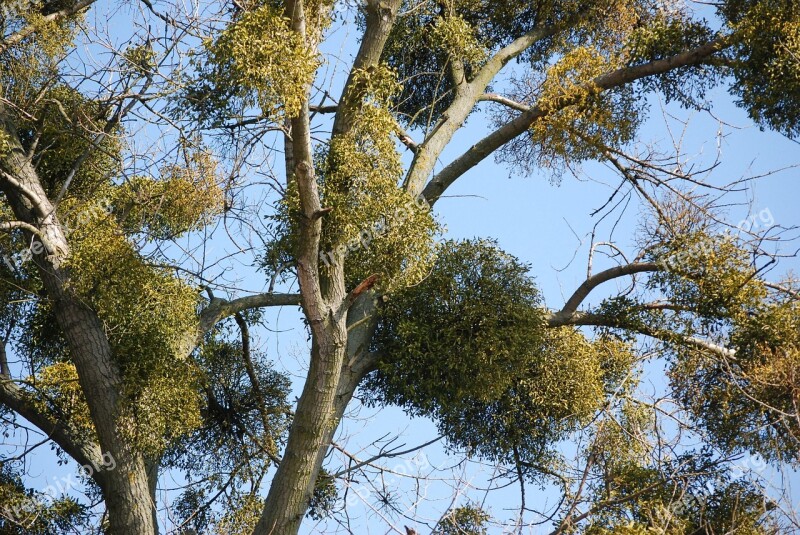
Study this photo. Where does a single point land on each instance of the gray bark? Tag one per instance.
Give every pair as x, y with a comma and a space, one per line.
125, 489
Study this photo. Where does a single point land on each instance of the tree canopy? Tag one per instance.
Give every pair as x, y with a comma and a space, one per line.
157, 158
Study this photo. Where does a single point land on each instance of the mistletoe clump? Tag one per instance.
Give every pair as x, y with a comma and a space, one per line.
713, 287
765, 60
595, 119
470, 347
374, 226
57, 391
184, 198
260, 52
147, 311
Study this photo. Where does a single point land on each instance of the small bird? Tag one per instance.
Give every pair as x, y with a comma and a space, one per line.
410, 531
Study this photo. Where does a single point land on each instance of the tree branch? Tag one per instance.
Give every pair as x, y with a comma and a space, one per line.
359, 290
36, 202
505, 101
590, 319
489, 144
783, 289
467, 96
272, 448
604, 276
11, 225
30, 29
496, 63
379, 22
406, 139
331, 108
19, 401
220, 309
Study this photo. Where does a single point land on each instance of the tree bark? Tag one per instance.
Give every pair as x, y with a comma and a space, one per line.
125, 488
337, 366
309, 437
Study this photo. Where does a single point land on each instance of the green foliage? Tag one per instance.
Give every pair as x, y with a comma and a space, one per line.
459, 29
375, 226
581, 122
242, 519
710, 275
57, 392
25, 512
766, 60
468, 346
140, 58
66, 126
463, 339
664, 36
5, 144
458, 39
744, 400
184, 198
692, 493
477, 310
232, 414
260, 52
148, 313
465, 520
384, 229
748, 401
324, 498
625, 438
595, 121
739, 507
27, 64
40, 341
430, 93
470, 30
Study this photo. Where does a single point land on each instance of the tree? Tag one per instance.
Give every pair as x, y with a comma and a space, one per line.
118, 347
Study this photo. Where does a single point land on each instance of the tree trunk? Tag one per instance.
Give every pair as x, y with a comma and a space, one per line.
309, 437
319, 411
125, 487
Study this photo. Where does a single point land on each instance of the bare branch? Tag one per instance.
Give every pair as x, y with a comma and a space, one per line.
323, 109
604, 276
220, 309
11, 225
271, 448
505, 101
36, 202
